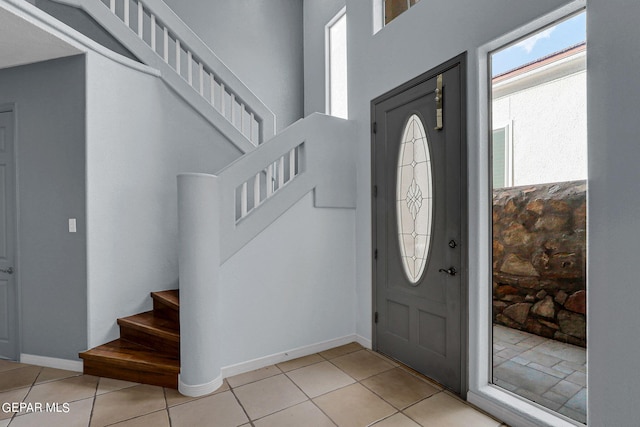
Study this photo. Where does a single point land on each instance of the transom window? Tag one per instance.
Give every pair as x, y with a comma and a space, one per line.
393, 8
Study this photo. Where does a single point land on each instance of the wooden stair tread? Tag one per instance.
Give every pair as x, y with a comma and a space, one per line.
170, 298
129, 355
152, 325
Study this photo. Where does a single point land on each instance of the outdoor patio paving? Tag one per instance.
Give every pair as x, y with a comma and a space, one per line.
548, 372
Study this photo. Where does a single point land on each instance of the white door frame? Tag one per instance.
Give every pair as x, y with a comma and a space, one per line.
507, 406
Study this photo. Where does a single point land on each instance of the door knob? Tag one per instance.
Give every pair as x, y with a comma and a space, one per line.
7, 270
451, 271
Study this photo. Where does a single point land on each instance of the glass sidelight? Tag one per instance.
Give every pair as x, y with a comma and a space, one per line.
539, 223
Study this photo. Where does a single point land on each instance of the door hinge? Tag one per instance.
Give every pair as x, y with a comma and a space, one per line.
375, 317
375, 127
375, 254
375, 191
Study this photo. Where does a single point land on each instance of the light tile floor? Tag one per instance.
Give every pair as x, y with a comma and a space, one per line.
345, 386
545, 371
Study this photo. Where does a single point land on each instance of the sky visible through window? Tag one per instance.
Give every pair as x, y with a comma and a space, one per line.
553, 39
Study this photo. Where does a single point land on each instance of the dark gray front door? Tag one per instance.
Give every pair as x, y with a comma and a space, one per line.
418, 230
7, 237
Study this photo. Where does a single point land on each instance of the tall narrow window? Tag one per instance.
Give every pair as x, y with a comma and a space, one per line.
539, 174
336, 38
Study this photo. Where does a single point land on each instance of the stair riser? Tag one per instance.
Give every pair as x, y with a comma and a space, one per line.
166, 312
162, 345
104, 369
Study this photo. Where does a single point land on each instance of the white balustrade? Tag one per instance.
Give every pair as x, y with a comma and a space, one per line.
236, 104
275, 181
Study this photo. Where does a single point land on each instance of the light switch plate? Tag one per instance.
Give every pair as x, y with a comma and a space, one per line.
72, 225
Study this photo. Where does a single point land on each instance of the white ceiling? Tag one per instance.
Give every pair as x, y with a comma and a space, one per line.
24, 43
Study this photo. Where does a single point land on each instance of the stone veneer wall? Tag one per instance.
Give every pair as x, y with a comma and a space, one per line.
539, 255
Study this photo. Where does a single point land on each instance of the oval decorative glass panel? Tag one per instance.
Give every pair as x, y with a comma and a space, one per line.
414, 203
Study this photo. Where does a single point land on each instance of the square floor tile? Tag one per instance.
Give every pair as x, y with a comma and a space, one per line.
174, 397
354, 406
305, 414
362, 364
127, 403
320, 378
397, 420
221, 407
18, 378
341, 351
154, 419
539, 358
12, 396
300, 362
578, 402
107, 385
8, 365
66, 390
78, 416
443, 410
50, 374
267, 396
399, 387
253, 376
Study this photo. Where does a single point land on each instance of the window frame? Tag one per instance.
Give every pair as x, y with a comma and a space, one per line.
507, 406
508, 152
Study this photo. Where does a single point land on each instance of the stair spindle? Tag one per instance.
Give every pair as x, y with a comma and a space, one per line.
112, 6
178, 59
223, 95
212, 82
165, 55
251, 120
153, 33
281, 172
126, 12
243, 200
190, 68
292, 163
269, 180
140, 20
256, 190
233, 110
201, 79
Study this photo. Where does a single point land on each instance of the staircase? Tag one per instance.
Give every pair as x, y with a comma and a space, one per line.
148, 350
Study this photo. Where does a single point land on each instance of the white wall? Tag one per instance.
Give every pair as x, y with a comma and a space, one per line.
292, 286
140, 136
260, 41
51, 262
549, 130
614, 211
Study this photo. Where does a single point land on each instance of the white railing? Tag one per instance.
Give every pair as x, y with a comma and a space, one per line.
267, 182
160, 39
218, 215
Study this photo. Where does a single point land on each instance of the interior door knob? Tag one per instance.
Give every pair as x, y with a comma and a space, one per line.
451, 271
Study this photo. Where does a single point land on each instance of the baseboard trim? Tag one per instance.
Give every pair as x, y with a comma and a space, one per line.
51, 362
199, 389
261, 362
365, 342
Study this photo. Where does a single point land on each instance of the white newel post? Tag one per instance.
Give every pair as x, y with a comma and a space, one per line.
199, 265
